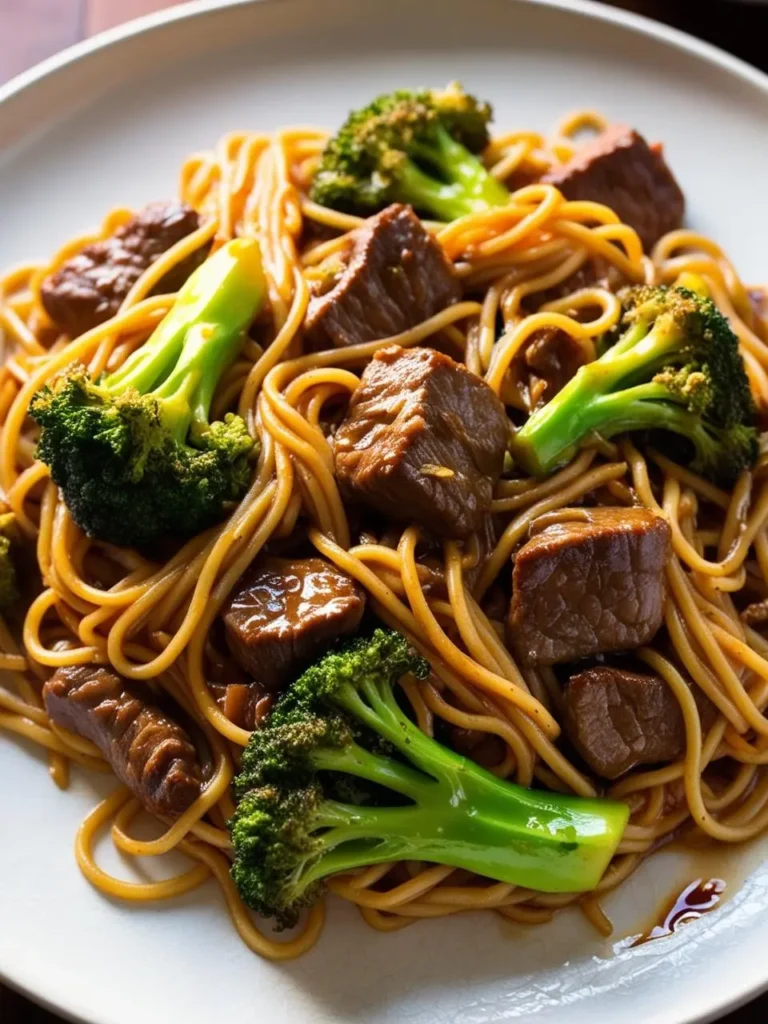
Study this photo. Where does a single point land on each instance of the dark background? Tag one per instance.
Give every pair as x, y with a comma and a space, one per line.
31, 30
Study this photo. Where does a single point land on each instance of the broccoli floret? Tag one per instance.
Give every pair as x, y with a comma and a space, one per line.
134, 453
411, 147
9, 593
342, 719
674, 365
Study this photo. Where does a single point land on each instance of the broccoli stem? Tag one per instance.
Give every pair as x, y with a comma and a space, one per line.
459, 165
222, 295
461, 815
339, 725
467, 186
473, 820
355, 760
589, 402
651, 407
446, 201
208, 350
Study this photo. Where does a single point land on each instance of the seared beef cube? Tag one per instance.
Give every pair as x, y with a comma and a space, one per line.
618, 720
283, 612
589, 584
547, 362
149, 752
423, 440
620, 170
396, 277
90, 287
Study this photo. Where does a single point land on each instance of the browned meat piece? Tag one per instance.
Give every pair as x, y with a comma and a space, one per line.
589, 584
149, 752
545, 365
396, 277
245, 704
283, 612
89, 288
620, 170
423, 440
618, 720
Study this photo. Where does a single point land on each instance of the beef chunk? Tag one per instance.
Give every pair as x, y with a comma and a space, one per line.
547, 362
242, 700
590, 584
89, 288
423, 440
620, 170
283, 612
149, 752
396, 277
244, 704
618, 719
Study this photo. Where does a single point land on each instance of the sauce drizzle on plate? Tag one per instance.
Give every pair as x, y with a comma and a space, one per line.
693, 902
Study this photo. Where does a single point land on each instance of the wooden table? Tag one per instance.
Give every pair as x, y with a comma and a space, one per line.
31, 30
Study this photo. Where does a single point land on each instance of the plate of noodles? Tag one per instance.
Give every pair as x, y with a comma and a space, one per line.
384, 525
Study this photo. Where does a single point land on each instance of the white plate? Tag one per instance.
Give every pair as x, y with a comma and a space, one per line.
108, 123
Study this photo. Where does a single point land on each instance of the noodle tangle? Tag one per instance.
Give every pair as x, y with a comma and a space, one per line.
151, 620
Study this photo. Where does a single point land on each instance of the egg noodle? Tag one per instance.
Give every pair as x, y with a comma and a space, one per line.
102, 604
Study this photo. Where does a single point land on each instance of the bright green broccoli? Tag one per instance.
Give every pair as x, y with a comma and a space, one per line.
676, 367
9, 594
340, 733
411, 147
134, 454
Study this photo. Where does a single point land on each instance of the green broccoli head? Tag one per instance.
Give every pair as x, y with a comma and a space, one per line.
134, 454
465, 117
703, 367
411, 147
229, 436
304, 810
305, 719
277, 833
124, 476
673, 365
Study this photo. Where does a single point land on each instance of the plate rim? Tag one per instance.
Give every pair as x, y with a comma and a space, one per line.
191, 9
43, 74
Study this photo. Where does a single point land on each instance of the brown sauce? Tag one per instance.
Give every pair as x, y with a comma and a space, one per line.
693, 902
